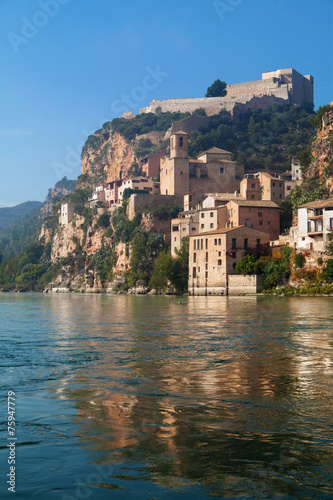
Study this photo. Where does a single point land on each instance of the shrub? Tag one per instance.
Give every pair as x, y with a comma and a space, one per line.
103, 221
299, 260
327, 272
248, 265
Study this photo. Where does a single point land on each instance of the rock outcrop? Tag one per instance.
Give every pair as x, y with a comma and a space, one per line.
322, 148
108, 159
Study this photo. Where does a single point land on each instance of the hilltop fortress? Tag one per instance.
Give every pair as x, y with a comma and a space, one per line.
282, 85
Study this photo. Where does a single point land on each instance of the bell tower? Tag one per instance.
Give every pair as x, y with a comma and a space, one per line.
179, 145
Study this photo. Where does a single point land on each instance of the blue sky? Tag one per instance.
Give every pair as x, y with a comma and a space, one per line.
67, 65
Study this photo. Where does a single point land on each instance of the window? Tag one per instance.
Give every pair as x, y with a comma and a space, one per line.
273, 184
202, 215
184, 229
248, 222
280, 195
211, 214
273, 194
202, 226
250, 209
193, 229
259, 213
219, 241
219, 262
252, 196
234, 265
206, 244
201, 244
175, 238
280, 184
181, 172
206, 256
194, 273
215, 242
181, 141
288, 188
258, 242
221, 170
245, 243
261, 222
175, 228
194, 257
269, 210
211, 225
233, 243
253, 186
220, 254
195, 245
268, 223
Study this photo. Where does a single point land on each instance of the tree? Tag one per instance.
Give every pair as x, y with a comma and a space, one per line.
217, 89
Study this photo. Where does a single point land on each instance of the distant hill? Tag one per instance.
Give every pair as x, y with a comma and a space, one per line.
8, 215
20, 225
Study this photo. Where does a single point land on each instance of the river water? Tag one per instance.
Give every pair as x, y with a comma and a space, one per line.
140, 397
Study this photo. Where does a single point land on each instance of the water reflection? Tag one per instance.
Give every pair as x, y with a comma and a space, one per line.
221, 392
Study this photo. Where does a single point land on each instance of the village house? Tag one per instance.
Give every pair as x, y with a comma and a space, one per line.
151, 165
315, 222
211, 171
98, 195
195, 222
138, 183
66, 213
261, 215
111, 194
213, 257
226, 210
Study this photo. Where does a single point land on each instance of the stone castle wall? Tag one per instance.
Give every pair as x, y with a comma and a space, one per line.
285, 84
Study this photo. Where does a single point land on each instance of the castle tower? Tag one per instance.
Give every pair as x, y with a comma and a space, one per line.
179, 145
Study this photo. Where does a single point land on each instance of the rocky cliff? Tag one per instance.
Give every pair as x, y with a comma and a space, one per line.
106, 157
321, 167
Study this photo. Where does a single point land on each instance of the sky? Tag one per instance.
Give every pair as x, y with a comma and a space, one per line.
68, 66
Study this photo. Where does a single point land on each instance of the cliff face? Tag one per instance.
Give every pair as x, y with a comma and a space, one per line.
322, 148
108, 158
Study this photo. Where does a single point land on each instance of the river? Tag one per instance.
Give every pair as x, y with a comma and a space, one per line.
143, 397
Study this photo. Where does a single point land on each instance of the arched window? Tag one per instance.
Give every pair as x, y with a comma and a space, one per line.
219, 262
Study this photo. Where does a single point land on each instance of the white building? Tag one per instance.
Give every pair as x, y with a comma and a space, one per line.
142, 183
315, 222
66, 213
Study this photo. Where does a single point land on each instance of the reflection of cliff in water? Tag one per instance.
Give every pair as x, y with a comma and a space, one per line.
214, 391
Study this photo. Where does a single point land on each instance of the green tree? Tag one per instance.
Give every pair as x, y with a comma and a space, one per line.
217, 89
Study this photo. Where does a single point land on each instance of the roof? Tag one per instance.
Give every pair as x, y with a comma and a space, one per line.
215, 151
180, 132
318, 204
194, 160
225, 196
255, 203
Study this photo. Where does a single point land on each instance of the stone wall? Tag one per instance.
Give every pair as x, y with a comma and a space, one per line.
139, 202
238, 284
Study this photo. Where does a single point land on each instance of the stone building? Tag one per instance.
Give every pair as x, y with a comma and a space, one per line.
213, 257
261, 215
315, 223
195, 222
151, 165
211, 171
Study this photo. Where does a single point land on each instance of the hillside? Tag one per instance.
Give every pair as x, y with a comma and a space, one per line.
25, 220
11, 214
258, 139
317, 161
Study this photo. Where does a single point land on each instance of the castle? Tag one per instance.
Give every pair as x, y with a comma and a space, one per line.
282, 85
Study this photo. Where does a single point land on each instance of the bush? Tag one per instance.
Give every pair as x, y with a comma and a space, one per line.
327, 272
248, 264
103, 221
299, 260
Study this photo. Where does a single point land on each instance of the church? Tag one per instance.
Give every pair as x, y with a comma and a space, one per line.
212, 171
